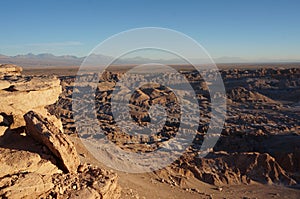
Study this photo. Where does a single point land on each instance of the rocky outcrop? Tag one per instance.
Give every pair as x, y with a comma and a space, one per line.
37, 159
90, 182
241, 94
252, 165
28, 170
17, 161
25, 185
43, 131
222, 168
18, 96
9, 70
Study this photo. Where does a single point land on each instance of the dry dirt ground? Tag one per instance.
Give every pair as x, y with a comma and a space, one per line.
147, 186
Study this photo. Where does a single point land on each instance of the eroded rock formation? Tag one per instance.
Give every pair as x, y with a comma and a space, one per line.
37, 159
18, 96
10, 70
46, 133
259, 142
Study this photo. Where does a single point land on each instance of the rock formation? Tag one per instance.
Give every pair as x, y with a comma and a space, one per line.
241, 94
10, 70
18, 96
37, 159
260, 140
46, 133
223, 168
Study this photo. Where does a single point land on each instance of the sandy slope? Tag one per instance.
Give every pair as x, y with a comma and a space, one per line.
146, 186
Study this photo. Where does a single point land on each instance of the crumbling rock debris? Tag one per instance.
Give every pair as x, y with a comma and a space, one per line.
91, 182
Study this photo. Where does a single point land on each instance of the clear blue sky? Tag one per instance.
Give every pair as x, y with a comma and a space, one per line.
247, 29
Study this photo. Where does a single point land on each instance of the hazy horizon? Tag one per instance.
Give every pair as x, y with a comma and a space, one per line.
51, 59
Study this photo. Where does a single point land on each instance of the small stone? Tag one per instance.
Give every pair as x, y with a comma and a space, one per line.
80, 168
74, 187
61, 191
3, 130
23, 133
82, 154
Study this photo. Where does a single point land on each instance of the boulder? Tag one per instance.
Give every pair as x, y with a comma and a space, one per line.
45, 132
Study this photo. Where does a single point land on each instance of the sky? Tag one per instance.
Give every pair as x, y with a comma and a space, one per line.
256, 29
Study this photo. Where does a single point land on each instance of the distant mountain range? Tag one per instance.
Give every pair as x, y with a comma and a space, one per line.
46, 59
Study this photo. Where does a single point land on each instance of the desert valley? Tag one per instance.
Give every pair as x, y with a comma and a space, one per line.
256, 156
